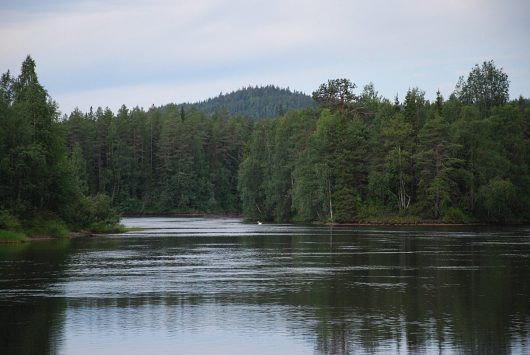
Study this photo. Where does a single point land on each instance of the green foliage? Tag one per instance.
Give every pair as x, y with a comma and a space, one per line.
160, 161
99, 210
8, 221
309, 195
436, 160
336, 94
11, 236
95, 213
414, 108
378, 188
79, 168
355, 158
32, 147
366, 159
373, 215
10, 228
486, 86
454, 215
40, 183
267, 174
397, 138
255, 102
44, 224
496, 199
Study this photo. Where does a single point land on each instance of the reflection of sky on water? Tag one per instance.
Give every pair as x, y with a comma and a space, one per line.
237, 288
213, 329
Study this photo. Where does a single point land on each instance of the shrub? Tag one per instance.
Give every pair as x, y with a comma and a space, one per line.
102, 217
100, 209
454, 215
11, 236
47, 224
496, 199
94, 213
9, 221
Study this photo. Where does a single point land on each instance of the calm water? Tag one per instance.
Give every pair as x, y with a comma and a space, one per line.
218, 286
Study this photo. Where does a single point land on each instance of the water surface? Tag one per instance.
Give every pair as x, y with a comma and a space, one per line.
197, 286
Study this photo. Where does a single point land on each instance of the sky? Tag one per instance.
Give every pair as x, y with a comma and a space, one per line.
152, 52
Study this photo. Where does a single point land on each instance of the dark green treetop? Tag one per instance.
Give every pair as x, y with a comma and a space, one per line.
486, 86
336, 94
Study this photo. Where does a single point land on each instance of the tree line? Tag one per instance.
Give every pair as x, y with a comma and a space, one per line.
255, 102
364, 158
39, 190
160, 160
353, 158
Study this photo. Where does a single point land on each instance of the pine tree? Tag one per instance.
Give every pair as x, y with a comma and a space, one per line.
436, 162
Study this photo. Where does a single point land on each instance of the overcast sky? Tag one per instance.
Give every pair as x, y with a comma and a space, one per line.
140, 52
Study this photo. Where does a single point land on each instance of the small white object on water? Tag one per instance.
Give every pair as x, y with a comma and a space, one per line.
259, 222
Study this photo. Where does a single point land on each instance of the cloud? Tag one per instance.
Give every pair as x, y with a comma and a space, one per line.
157, 94
86, 47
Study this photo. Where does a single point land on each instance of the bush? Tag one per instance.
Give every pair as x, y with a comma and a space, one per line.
95, 213
496, 199
130, 205
454, 215
101, 216
46, 224
11, 236
9, 221
100, 209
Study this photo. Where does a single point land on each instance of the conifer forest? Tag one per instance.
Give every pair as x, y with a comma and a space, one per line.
346, 154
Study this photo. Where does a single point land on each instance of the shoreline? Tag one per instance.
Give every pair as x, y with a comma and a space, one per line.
179, 214
419, 224
72, 235
84, 233
425, 223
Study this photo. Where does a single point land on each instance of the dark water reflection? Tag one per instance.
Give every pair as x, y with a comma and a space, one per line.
198, 286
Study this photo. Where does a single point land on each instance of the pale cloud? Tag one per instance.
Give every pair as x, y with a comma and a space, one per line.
146, 95
115, 52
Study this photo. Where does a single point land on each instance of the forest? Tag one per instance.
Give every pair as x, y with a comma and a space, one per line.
364, 158
40, 194
352, 157
255, 102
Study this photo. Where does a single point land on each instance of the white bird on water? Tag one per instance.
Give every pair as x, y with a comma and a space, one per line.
259, 222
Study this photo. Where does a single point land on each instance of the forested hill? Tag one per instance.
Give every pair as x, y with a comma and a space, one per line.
255, 102
357, 157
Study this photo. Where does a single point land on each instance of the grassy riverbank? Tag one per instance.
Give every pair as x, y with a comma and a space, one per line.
12, 237
48, 225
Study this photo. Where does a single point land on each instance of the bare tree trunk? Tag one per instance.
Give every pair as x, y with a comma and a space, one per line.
330, 202
404, 199
259, 210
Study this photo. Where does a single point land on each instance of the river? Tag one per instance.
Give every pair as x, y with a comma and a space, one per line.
220, 286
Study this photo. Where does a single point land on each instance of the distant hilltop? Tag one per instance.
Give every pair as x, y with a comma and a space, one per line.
256, 102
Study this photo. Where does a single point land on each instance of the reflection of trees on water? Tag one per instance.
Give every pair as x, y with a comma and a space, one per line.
32, 327
29, 323
343, 293
453, 295
381, 295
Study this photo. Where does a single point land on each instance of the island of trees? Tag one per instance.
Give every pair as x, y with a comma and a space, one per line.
345, 156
